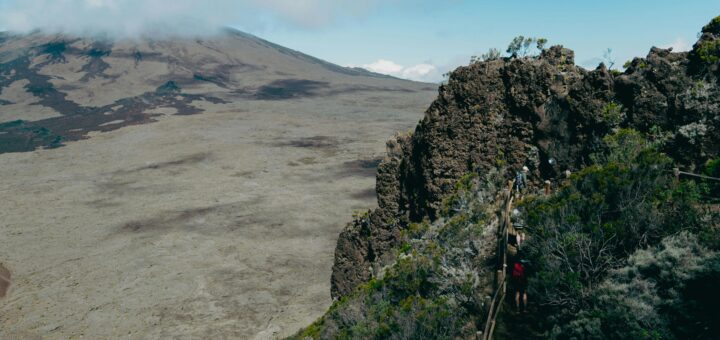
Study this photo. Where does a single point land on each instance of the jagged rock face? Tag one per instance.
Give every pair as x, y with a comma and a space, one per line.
544, 113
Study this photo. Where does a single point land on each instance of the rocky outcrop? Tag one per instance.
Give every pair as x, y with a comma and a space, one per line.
542, 112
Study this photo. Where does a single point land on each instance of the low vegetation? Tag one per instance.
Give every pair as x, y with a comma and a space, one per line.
435, 289
520, 46
491, 54
613, 250
710, 189
709, 51
620, 250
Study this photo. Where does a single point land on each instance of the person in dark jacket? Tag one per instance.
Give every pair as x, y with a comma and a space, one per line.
520, 283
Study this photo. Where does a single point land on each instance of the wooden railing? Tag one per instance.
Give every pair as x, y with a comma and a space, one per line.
501, 278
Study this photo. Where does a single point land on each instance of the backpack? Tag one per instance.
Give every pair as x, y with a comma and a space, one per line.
518, 271
519, 180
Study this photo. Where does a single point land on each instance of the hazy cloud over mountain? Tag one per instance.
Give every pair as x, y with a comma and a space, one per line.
421, 72
172, 17
679, 45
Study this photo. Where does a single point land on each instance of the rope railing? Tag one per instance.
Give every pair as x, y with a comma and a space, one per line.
501, 278
677, 173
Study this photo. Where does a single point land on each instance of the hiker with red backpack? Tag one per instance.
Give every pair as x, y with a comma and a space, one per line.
520, 283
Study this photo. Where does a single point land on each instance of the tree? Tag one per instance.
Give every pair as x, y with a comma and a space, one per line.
541, 43
526, 45
520, 45
515, 45
491, 54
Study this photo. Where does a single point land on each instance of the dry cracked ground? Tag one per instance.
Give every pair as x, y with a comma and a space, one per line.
197, 206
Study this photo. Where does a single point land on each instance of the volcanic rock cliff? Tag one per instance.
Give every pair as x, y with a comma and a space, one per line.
543, 112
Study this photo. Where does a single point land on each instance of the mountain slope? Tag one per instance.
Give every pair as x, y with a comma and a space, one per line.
67, 86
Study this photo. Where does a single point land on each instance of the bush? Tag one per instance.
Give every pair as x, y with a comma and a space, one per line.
711, 188
622, 147
626, 201
620, 251
433, 288
713, 26
612, 114
491, 54
709, 51
656, 295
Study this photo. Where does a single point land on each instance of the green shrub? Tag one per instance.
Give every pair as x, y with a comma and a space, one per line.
713, 26
622, 147
612, 114
709, 51
491, 54
415, 230
430, 291
620, 251
664, 292
625, 202
711, 188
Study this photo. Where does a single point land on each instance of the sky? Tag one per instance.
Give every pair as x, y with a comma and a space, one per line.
413, 39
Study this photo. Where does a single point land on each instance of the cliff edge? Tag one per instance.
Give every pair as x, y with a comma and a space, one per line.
542, 112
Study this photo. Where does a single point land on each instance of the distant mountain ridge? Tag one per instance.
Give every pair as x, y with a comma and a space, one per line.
353, 71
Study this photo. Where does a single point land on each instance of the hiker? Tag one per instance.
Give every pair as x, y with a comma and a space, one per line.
520, 283
548, 188
521, 180
566, 179
519, 227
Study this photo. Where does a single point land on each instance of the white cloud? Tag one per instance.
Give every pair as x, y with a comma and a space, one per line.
679, 45
384, 66
178, 17
420, 72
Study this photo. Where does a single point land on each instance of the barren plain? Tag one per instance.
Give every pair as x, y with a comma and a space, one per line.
217, 224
